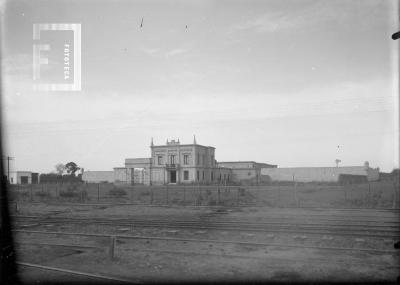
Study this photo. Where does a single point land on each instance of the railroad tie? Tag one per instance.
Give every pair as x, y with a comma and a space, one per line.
300, 237
327, 237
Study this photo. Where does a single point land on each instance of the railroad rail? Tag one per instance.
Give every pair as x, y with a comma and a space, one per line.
210, 241
233, 206
365, 230
74, 272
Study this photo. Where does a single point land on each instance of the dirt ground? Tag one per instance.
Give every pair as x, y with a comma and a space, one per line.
160, 260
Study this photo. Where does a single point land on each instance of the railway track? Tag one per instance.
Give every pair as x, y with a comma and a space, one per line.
365, 230
87, 276
196, 240
240, 206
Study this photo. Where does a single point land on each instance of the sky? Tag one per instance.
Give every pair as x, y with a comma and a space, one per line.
292, 83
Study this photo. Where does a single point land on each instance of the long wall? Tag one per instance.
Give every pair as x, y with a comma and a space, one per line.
318, 174
98, 176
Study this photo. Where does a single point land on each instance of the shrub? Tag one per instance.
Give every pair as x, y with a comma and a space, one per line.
69, 194
117, 192
42, 194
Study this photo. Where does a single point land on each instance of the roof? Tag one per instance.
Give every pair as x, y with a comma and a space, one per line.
137, 160
245, 161
174, 145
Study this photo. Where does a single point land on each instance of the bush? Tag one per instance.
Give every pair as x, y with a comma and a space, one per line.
145, 193
69, 194
42, 194
72, 191
117, 192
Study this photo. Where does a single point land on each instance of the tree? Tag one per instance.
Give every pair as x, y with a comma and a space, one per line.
60, 168
71, 168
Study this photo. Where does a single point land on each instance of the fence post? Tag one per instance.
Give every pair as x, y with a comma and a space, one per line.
167, 196
394, 195
151, 195
112, 247
31, 194
219, 195
200, 197
184, 194
369, 194
237, 196
295, 192
195, 196
98, 192
132, 195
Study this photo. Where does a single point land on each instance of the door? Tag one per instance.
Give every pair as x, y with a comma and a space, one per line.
173, 176
24, 179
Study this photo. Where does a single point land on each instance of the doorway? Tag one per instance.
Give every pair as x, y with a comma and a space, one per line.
172, 176
24, 179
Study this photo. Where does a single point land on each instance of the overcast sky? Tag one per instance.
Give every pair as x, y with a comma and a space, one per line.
293, 83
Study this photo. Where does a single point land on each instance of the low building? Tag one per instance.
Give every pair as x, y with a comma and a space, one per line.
321, 174
123, 175
245, 171
24, 177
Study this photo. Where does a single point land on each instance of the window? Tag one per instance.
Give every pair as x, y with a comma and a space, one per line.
172, 159
203, 174
159, 160
212, 160
204, 159
198, 159
212, 176
186, 175
198, 175
185, 159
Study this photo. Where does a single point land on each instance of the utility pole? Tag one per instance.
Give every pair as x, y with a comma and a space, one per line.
8, 167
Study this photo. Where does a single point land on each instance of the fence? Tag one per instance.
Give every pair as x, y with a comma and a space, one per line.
382, 194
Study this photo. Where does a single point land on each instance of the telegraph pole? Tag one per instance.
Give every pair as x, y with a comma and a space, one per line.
8, 158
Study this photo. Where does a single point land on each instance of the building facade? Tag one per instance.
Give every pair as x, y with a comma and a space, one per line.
320, 174
245, 171
183, 163
23, 177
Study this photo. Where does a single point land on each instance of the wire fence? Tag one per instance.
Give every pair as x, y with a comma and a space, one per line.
380, 194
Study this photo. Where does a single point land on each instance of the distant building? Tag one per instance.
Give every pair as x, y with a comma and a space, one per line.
180, 163
245, 170
24, 177
176, 163
322, 174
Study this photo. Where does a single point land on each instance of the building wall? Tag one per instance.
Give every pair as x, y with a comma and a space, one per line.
237, 164
244, 174
318, 174
126, 175
98, 176
198, 159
